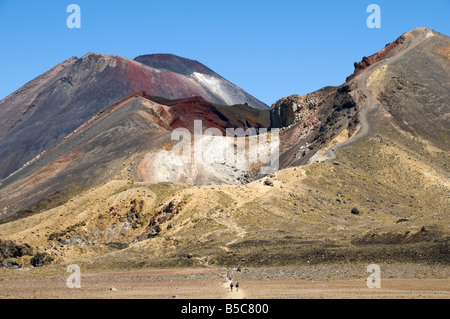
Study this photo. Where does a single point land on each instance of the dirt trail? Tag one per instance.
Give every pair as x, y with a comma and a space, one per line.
371, 103
236, 293
202, 283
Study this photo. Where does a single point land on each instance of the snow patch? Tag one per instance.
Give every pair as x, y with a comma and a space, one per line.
229, 93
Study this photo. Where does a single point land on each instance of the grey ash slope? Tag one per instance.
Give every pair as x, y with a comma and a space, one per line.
416, 87
93, 154
173, 63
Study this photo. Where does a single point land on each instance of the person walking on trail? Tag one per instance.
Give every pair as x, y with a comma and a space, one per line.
237, 287
231, 287
228, 275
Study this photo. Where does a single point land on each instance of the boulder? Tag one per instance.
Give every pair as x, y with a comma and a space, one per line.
40, 260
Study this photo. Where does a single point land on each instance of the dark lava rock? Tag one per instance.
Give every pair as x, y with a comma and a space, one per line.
10, 249
355, 211
10, 264
40, 260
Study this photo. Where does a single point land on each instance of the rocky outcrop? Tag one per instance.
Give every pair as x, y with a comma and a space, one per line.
374, 58
296, 108
322, 116
10, 250
41, 260
160, 218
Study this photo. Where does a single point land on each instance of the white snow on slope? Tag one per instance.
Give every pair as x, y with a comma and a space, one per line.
228, 92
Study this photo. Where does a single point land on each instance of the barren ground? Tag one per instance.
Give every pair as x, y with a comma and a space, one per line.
318, 281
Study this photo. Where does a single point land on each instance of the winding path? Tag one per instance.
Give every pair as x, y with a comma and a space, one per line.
370, 104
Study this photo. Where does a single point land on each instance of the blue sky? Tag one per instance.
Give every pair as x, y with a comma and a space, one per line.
269, 48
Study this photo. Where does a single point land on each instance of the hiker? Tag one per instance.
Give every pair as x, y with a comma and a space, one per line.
228, 275
237, 287
231, 286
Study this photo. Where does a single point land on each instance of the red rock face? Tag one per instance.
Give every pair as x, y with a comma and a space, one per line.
182, 114
186, 111
374, 58
158, 83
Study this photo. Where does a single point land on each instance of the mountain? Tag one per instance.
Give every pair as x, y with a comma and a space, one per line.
105, 146
50, 107
408, 80
215, 88
364, 177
